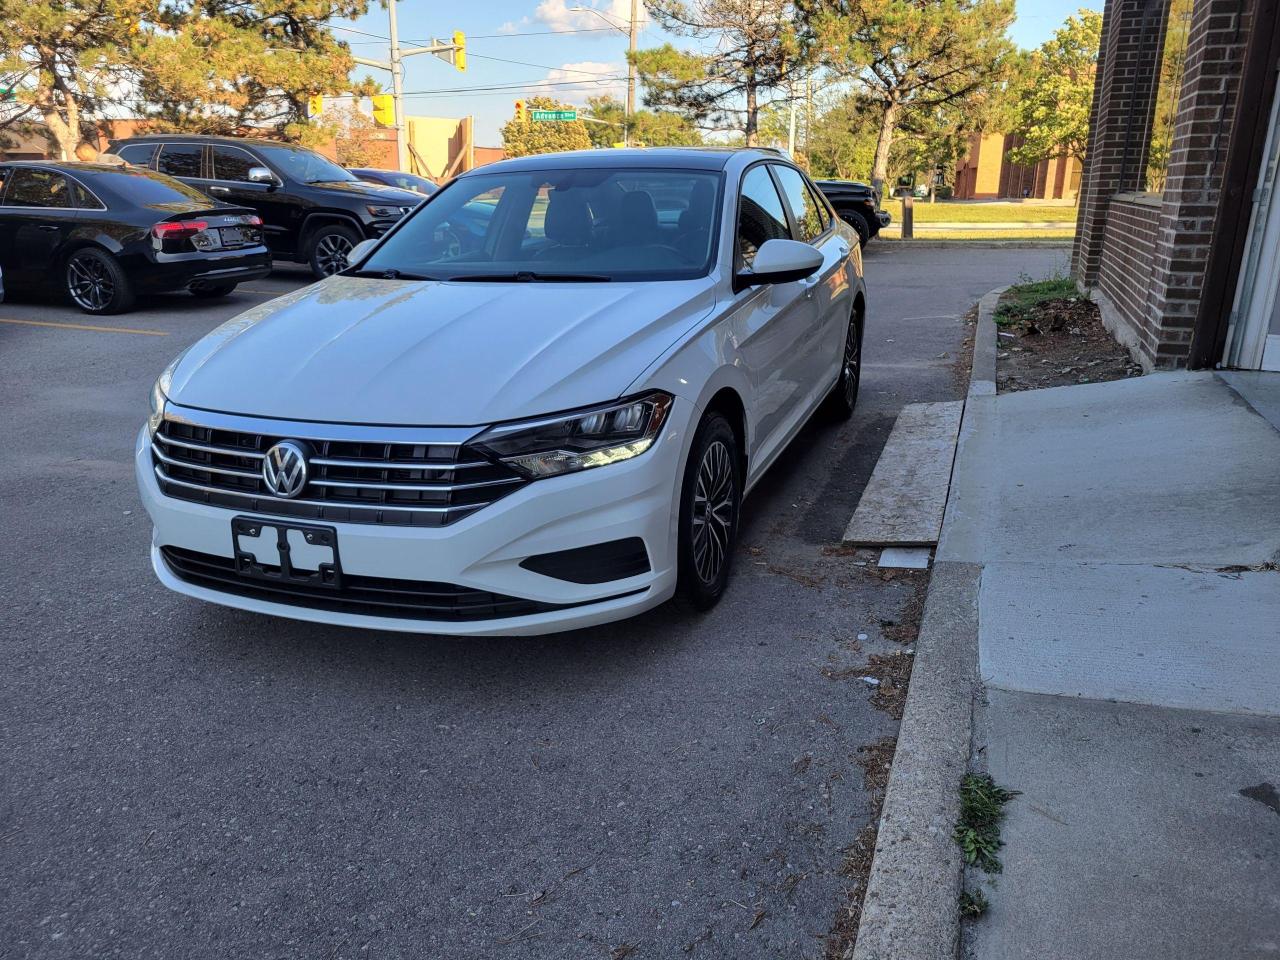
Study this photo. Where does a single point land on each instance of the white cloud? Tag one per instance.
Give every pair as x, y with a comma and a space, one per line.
579, 82
512, 26
559, 15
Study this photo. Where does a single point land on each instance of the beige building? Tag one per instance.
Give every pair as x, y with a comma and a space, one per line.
986, 173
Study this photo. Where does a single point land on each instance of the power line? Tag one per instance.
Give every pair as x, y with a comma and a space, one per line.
538, 66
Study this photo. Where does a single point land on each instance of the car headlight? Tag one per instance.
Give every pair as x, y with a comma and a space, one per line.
578, 441
382, 212
160, 395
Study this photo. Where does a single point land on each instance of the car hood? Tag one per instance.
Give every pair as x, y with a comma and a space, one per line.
373, 192
362, 350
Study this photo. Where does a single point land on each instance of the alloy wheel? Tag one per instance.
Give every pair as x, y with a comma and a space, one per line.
852, 363
90, 283
331, 253
714, 504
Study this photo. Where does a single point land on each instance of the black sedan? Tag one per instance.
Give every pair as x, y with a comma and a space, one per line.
102, 233
396, 178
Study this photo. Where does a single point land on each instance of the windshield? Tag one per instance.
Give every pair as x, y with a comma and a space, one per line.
304, 165
576, 225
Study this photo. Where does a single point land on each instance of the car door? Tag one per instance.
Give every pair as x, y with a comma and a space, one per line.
183, 161
771, 321
229, 182
39, 214
822, 344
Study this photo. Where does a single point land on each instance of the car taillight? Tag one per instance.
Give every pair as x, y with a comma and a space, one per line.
178, 230
253, 221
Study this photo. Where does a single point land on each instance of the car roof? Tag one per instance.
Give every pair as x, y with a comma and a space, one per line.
686, 158
206, 138
70, 166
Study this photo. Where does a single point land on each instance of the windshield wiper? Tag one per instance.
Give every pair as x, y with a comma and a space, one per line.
529, 276
389, 275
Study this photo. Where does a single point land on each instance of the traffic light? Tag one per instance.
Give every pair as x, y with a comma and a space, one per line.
460, 50
521, 117
315, 104
384, 109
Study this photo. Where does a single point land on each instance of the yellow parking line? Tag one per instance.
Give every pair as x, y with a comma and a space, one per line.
87, 326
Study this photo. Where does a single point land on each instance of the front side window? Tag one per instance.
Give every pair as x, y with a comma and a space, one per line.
38, 188
306, 166
578, 225
760, 214
231, 163
805, 210
181, 159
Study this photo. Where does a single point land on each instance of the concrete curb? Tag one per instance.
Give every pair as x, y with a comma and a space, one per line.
911, 908
976, 244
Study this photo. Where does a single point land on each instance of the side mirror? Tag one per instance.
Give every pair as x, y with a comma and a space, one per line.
261, 175
360, 251
780, 261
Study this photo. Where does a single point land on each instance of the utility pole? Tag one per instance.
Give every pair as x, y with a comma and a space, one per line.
791, 126
454, 53
631, 60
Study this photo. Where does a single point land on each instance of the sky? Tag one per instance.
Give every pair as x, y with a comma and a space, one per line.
516, 45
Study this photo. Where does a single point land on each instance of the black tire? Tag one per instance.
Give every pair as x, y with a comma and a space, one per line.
859, 224
211, 291
94, 282
710, 501
327, 247
843, 398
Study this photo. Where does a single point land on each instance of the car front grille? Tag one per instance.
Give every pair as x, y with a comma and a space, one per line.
400, 476
368, 596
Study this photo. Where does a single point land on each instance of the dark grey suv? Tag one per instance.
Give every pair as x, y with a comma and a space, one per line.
313, 211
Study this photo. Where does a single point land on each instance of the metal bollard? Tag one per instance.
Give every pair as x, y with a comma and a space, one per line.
908, 217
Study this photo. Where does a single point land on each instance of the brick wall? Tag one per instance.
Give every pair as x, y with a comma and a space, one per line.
1148, 254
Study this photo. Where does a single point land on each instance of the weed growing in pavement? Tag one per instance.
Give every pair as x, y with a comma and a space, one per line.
981, 813
973, 904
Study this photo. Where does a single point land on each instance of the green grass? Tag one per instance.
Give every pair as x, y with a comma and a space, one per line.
981, 813
893, 232
1020, 300
950, 212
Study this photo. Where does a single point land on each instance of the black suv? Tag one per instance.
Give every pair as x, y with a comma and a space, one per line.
313, 211
857, 205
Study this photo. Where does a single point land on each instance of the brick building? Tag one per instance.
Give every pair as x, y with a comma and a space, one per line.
987, 173
1178, 237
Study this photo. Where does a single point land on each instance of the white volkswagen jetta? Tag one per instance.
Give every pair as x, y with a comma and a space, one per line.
536, 404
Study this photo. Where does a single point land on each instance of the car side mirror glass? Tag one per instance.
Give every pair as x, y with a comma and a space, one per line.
360, 251
261, 175
780, 261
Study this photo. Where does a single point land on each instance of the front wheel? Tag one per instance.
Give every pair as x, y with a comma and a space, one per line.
710, 498
96, 284
327, 249
844, 395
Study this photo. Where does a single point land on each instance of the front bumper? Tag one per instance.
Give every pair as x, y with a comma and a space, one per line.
482, 551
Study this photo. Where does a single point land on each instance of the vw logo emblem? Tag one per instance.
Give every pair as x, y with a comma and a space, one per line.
284, 469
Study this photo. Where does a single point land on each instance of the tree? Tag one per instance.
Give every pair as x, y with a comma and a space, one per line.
352, 135
63, 59
909, 56
217, 66
842, 143
649, 128
522, 139
757, 49
1051, 109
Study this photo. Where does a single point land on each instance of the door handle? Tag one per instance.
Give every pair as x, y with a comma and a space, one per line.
219, 190
49, 227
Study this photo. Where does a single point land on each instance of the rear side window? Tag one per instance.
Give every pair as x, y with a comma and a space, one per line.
181, 159
82, 198
230, 163
38, 188
760, 214
810, 215
139, 154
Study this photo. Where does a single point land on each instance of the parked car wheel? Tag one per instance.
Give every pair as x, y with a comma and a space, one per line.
859, 224
844, 395
95, 283
211, 291
709, 501
327, 248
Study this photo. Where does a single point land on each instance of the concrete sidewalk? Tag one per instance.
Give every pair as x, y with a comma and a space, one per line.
1129, 643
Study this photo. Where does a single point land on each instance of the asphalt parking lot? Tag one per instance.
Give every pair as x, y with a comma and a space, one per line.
184, 780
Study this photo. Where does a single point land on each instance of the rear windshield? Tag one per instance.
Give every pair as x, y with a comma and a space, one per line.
149, 189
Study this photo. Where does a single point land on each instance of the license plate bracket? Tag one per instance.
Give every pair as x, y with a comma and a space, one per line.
327, 572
